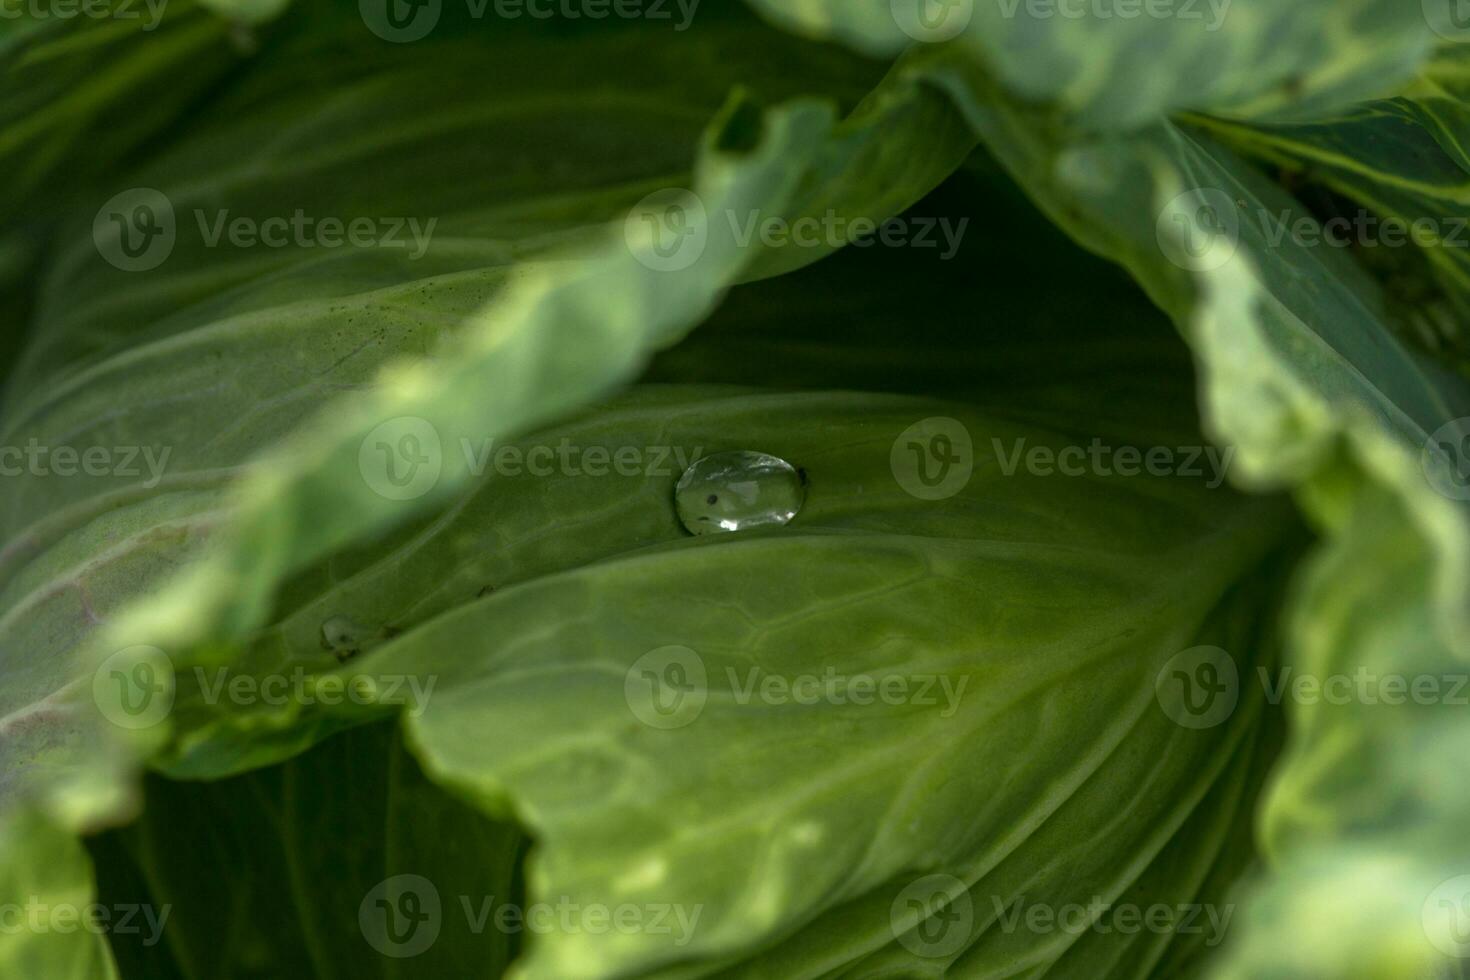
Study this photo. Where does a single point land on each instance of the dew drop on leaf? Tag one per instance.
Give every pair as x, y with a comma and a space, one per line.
737, 491
345, 637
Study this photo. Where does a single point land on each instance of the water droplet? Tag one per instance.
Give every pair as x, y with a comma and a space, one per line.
346, 638
737, 491
341, 633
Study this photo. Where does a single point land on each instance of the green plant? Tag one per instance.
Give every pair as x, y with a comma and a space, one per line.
1096, 607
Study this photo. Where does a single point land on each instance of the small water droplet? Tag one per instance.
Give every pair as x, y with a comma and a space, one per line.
737, 491
346, 638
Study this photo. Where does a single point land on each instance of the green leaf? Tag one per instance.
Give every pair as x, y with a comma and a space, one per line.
1399, 172
1303, 373
315, 845
1112, 64
54, 922
766, 810
86, 92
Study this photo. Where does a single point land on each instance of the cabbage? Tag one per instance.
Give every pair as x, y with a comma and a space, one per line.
634, 490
